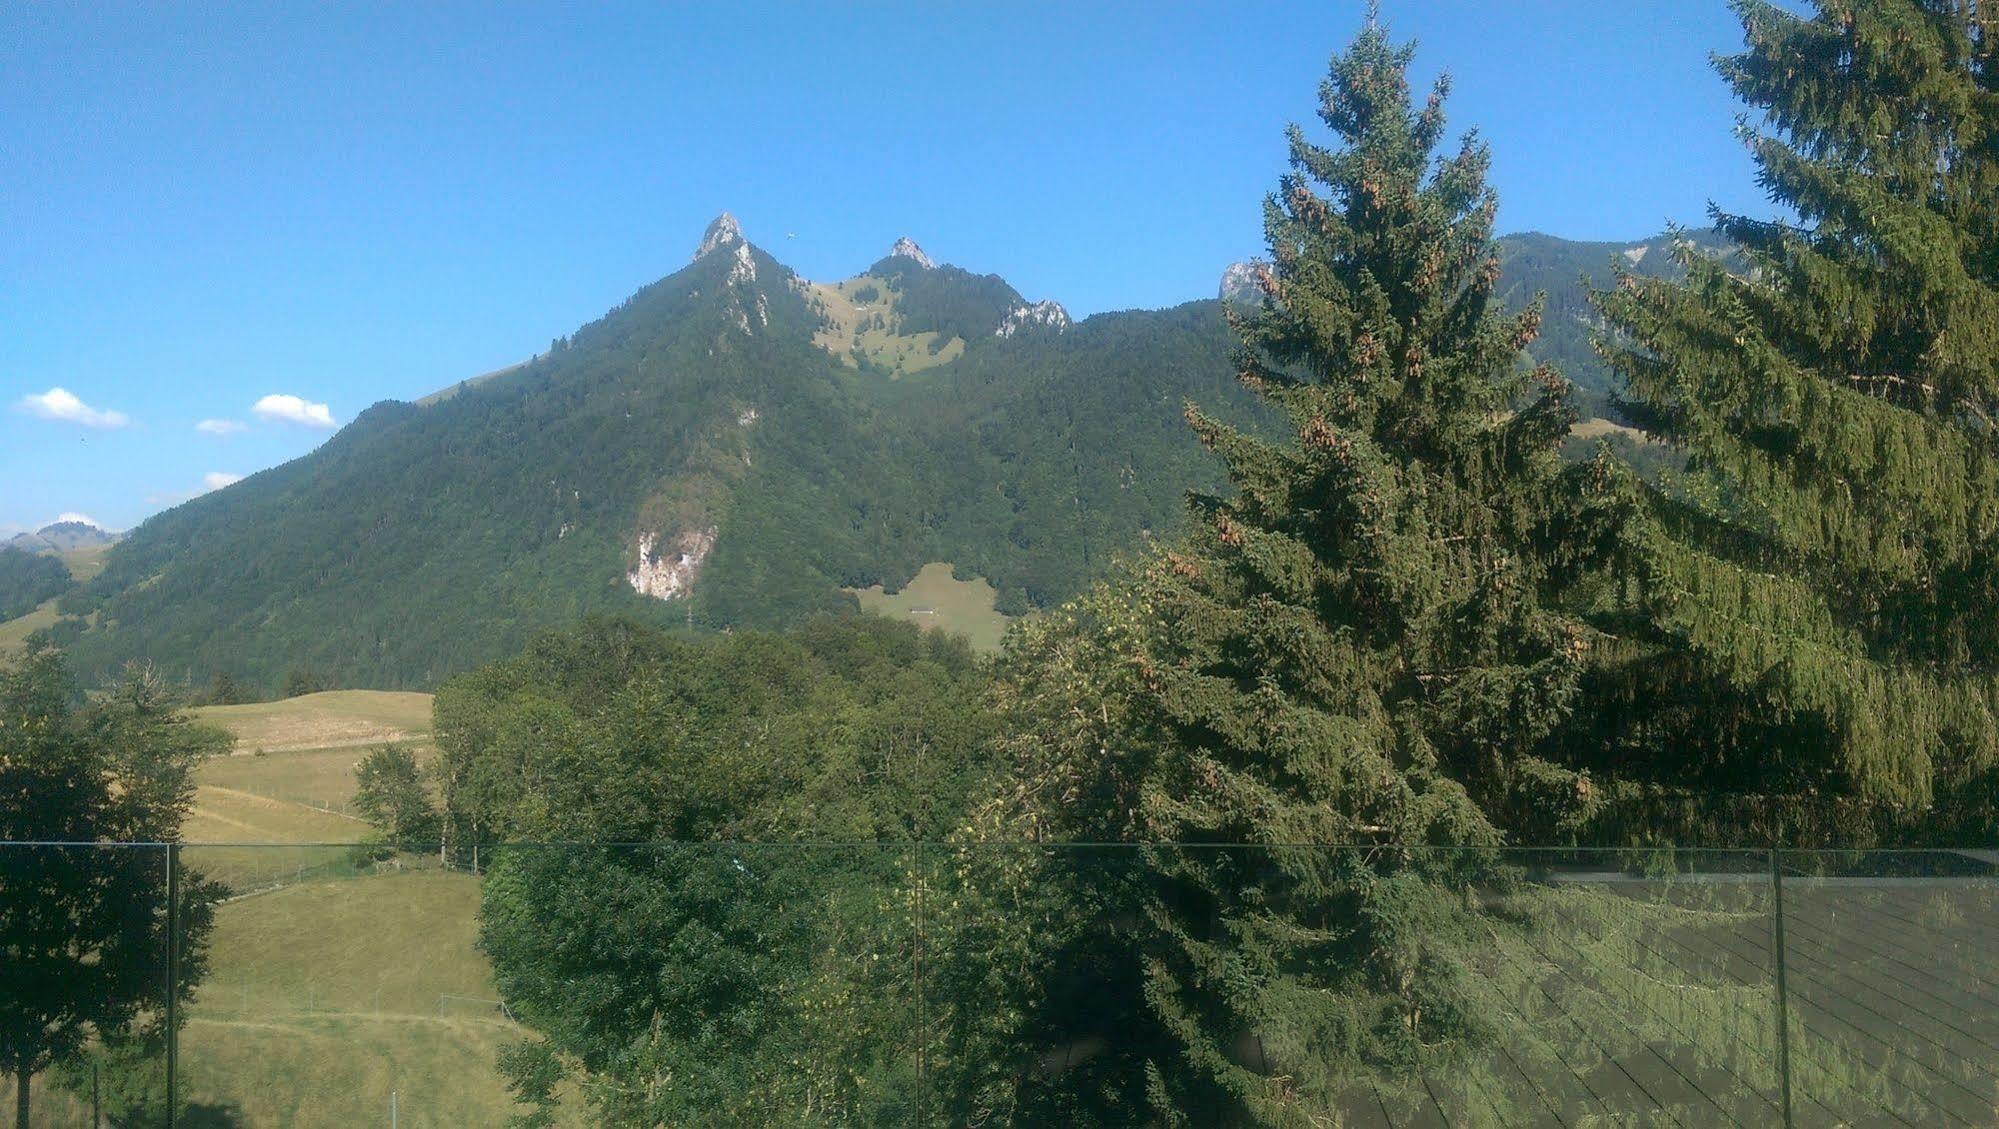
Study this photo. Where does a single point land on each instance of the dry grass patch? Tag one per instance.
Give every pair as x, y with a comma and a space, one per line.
1599, 427
332, 719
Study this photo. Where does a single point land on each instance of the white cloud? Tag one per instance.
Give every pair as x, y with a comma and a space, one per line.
220, 426
217, 479
62, 404
292, 409
72, 515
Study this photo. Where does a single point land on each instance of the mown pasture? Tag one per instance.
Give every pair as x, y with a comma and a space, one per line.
935, 599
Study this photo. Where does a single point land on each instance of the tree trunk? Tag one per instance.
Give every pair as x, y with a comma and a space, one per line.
21, 1077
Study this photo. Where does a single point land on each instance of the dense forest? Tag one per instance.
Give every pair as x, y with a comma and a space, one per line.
1402, 631
27, 579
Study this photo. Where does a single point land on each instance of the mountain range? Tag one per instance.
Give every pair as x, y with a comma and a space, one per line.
732, 445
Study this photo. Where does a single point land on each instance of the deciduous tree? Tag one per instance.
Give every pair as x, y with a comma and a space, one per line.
84, 924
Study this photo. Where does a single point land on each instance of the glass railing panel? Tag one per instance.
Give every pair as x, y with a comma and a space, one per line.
1630, 986
1003, 984
339, 986
84, 969
1031, 984
682, 984
1894, 984
1351, 986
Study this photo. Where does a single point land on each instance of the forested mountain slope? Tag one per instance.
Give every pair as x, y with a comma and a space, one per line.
1532, 262
702, 454
733, 445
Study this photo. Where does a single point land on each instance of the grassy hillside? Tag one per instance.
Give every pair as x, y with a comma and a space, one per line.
14, 632
330, 989
330, 719
85, 562
324, 998
81, 564
289, 784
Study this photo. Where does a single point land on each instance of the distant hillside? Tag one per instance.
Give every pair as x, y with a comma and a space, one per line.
28, 579
733, 445
1533, 262
38, 568
62, 536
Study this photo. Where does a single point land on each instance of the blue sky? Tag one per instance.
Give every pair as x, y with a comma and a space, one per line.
205, 206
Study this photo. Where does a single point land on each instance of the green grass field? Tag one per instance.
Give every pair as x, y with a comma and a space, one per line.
329, 989
937, 600
325, 997
290, 778
900, 353
288, 787
1598, 428
14, 632
84, 564
317, 778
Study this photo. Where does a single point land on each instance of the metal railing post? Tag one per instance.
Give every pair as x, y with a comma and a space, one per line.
173, 978
1783, 988
922, 997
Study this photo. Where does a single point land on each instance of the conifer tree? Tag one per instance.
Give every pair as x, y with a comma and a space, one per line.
1363, 645
1819, 596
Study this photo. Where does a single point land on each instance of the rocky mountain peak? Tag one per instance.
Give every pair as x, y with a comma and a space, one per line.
722, 231
906, 248
1243, 282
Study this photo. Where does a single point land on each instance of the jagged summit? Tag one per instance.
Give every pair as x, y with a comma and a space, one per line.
722, 231
1243, 282
906, 248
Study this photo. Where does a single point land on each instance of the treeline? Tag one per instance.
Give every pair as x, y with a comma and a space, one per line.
1404, 634
946, 300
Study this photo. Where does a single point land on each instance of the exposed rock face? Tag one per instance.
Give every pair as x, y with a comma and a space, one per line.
906, 248
745, 268
1241, 282
723, 231
1045, 314
666, 575
744, 303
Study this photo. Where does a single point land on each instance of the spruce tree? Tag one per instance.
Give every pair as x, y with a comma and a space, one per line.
1355, 658
1818, 598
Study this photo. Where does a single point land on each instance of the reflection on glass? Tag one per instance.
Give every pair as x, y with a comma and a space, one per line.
977, 983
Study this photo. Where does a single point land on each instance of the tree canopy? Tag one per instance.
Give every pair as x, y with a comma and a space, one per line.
84, 924
1819, 592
